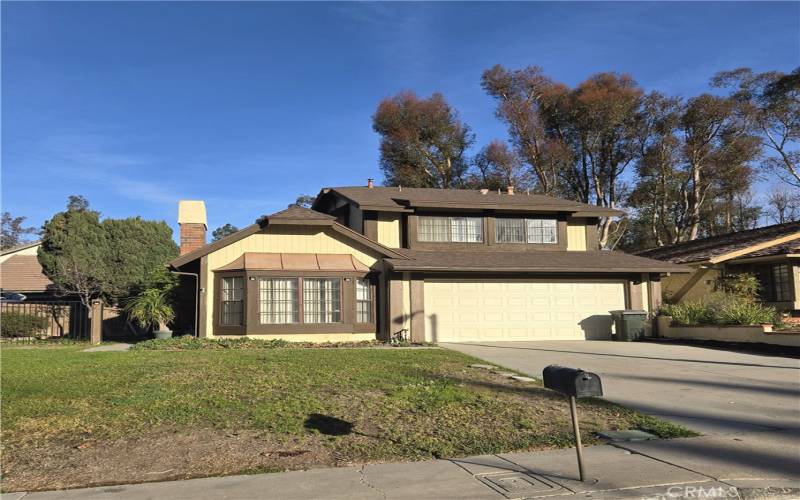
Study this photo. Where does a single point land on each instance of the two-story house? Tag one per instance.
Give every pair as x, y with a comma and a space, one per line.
433, 265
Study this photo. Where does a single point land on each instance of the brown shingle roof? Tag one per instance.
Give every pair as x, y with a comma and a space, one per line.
23, 273
295, 262
296, 212
531, 261
393, 198
708, 248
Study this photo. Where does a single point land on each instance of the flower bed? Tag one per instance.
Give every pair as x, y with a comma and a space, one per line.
189, 343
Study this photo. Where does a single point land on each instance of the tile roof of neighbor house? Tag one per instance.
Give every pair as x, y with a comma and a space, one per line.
263, 261
538, 261
23, 273
707, 248
394, 198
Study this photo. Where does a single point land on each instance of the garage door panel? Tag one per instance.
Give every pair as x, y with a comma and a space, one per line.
470, 310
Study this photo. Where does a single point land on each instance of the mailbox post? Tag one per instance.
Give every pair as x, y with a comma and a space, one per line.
573, 383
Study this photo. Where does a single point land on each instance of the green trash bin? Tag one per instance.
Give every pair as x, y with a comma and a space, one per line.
629, 324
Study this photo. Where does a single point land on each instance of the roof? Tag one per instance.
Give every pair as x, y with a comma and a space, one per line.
23, 273
17, 248
294, 215
532, 261
295, 262
403, 199
298, 213
762, 241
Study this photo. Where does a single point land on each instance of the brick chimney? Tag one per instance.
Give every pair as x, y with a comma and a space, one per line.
510, 190
370, 183
192, 220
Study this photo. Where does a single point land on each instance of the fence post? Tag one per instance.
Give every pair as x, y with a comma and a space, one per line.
97, 322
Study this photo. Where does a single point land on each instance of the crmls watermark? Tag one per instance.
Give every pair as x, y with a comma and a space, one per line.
674, 492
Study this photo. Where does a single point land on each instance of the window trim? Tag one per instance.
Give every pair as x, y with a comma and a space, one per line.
219, 327
373, 300
449, 218
526, 235
786, 285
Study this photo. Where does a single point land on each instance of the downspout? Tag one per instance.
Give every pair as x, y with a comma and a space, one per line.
196, 277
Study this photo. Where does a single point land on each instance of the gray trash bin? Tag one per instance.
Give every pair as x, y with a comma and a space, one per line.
629, 324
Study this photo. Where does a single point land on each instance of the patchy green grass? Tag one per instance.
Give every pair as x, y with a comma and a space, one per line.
154, 415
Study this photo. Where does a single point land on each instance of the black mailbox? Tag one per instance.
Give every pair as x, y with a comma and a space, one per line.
572, 381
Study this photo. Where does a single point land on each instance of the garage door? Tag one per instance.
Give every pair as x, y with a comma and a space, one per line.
467, 310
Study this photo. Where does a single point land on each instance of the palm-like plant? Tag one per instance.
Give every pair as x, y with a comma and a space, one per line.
151, 308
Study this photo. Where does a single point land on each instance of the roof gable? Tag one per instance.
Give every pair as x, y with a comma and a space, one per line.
294, 215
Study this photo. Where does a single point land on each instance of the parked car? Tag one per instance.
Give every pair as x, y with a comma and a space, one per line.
9, 297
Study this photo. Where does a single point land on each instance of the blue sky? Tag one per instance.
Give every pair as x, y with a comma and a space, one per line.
247, 105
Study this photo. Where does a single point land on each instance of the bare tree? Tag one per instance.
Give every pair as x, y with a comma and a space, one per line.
772, 100
783, 205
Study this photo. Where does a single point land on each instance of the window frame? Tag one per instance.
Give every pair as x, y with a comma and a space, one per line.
450, 219
526, 231
372, 300
781, 288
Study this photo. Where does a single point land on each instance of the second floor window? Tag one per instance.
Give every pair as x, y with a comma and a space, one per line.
450, 229
538, 231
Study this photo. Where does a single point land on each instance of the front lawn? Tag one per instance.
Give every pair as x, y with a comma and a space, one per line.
73, 419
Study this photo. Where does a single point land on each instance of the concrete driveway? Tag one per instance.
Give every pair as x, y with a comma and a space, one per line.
711, 391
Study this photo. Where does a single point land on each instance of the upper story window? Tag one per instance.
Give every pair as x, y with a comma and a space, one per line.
450, 229
540, 231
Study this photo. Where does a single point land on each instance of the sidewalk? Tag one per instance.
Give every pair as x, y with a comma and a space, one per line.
747, 466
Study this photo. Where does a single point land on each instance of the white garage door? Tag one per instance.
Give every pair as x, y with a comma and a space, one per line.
467, 310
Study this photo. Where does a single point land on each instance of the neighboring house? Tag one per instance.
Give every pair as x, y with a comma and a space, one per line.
433, 264
771, 253
21, 272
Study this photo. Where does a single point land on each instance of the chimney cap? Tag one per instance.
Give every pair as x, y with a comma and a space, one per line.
192, 212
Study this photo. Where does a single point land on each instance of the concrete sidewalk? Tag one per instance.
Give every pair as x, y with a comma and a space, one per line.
749, 466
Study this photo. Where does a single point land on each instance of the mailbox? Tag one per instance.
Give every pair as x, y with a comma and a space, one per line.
572, 381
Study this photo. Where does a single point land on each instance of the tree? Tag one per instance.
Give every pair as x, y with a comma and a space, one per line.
13, 232
717, 140
772, 101
604, 124
109, 260
522, 97
423, 141
77, 203
499, 167
133, 267
223, 231
73, 252
783, 206
305, 200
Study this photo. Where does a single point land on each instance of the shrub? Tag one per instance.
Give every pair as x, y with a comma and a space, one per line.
719, 309
742, 284
19, 324
746, 313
